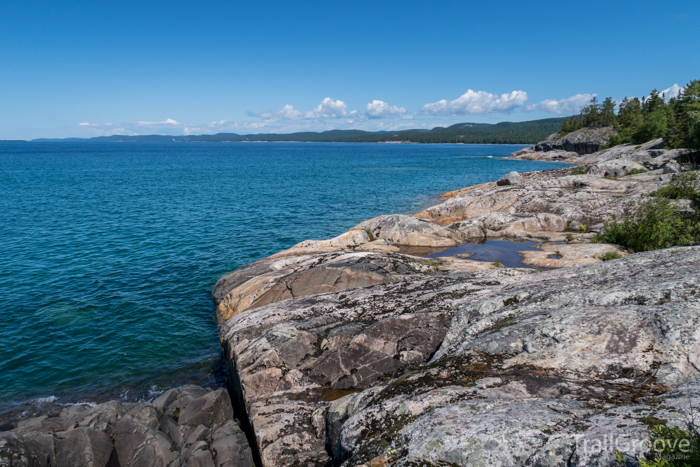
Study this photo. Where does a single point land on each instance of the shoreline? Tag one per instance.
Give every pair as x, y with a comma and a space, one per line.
559, 211
263, 141
92, 394
320, 338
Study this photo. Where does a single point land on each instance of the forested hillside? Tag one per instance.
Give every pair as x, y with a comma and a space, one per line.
469, 133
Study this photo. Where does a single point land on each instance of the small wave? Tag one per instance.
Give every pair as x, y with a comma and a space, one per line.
44, 400
71, 404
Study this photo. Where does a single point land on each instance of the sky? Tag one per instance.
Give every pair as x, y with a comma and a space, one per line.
93, 68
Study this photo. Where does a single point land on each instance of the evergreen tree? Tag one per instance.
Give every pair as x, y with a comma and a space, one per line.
654, 103
629, 120
607, 112
591, 113
688, 115
654, 126
566, 127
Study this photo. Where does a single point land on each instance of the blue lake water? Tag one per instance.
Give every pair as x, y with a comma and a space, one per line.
108, 251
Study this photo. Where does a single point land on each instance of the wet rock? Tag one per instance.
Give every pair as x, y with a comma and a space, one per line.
511, 178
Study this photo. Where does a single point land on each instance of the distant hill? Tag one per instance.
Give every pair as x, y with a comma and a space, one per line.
530, 132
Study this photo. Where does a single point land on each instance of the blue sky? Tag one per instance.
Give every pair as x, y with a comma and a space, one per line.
79, 68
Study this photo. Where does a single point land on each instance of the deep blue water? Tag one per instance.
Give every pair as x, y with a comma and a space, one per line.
108, 252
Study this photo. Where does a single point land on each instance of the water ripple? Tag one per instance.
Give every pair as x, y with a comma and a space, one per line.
108, 251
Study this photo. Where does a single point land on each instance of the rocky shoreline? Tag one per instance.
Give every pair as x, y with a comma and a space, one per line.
358, 350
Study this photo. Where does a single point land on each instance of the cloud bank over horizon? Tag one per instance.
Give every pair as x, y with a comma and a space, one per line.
378, 115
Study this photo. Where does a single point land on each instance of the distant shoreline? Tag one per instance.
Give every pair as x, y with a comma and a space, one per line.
87, 141
503, 133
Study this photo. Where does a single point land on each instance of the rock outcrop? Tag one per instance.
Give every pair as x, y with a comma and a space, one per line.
543, 204
581, 142
186, 426
494, 367
511, 178
647, 156
288, 359
400, 229
272, 280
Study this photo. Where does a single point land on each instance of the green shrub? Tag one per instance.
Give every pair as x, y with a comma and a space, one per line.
636, 171
497, 264
657, 223
569, 237
610, 255
672, 446
654, 224
578, 171
369, 233
686, 185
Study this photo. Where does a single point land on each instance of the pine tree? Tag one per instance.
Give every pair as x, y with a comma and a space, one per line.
607, 112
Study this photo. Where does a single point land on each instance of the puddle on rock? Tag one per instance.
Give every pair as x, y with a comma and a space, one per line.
504, 251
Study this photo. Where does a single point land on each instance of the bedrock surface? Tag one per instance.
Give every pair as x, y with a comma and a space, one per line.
490, 367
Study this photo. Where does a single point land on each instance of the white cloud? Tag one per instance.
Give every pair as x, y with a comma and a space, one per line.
380, 109
671, 92
569, 106
476, 103
87, 124
168, 121
327, 109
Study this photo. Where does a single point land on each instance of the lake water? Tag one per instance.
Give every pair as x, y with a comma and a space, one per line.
108, 251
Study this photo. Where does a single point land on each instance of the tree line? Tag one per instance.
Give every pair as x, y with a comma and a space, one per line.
640, 120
